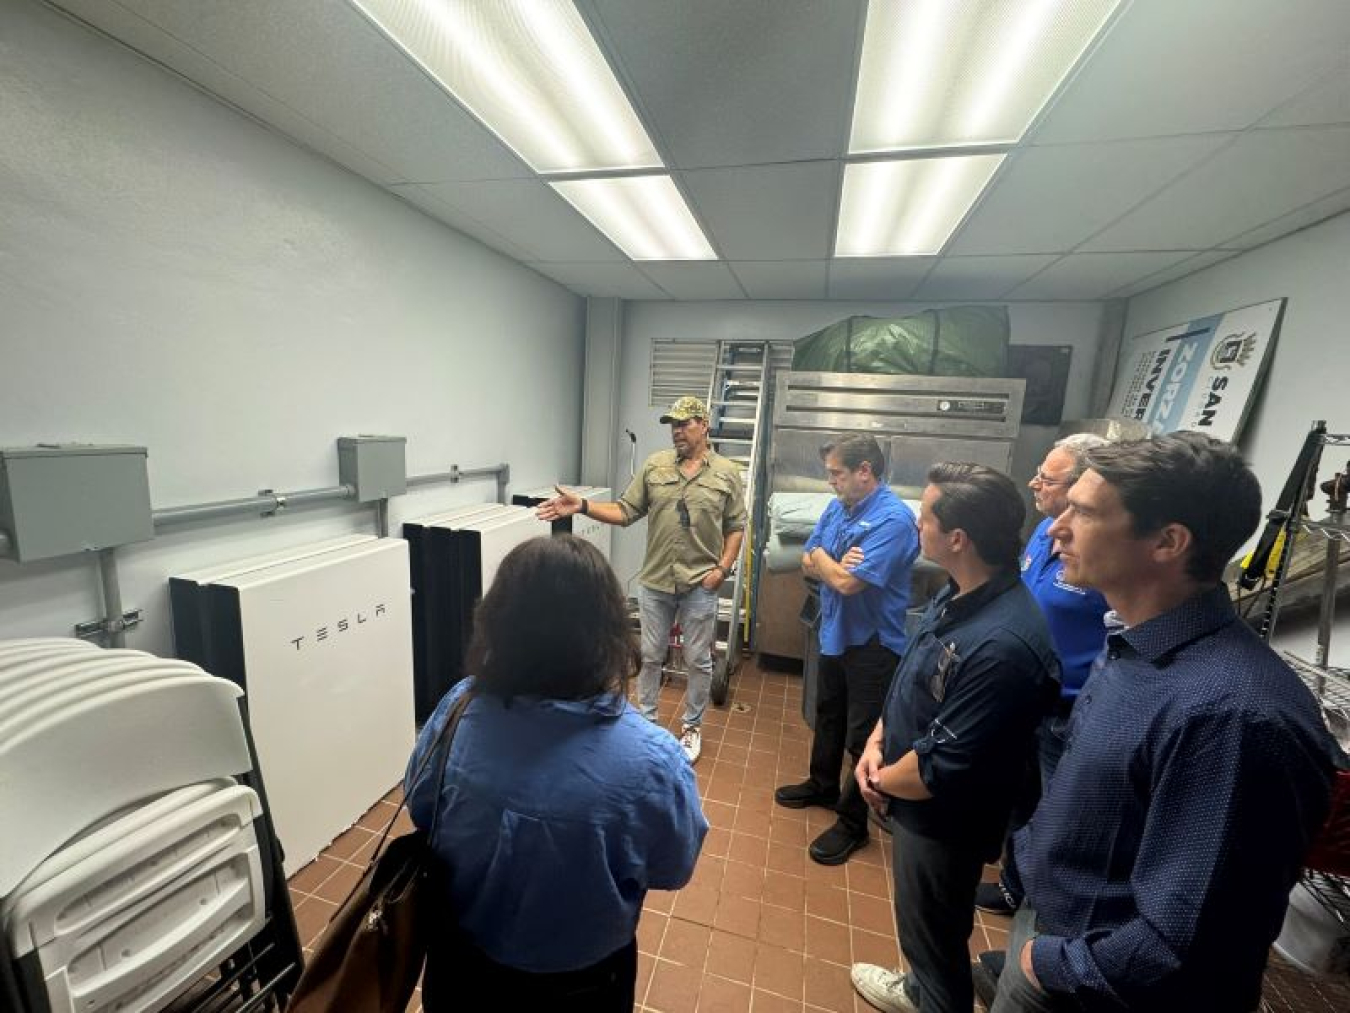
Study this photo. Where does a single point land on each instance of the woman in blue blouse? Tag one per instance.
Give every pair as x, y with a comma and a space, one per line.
561, 806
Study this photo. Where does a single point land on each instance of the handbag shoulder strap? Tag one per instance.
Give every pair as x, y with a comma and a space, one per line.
441, 747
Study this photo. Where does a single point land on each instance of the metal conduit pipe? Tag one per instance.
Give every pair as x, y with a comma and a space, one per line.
382, 517
114, 627
264, 503
501, 472
6, 547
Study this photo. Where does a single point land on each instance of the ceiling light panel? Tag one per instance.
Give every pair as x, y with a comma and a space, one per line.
945, 73
531, 71
644, 216
908, 207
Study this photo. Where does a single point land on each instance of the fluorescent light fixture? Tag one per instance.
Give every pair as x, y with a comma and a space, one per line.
644, 216
908, 207
530, 70
952, 73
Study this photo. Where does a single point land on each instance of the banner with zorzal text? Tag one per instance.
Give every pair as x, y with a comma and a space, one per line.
1201, 375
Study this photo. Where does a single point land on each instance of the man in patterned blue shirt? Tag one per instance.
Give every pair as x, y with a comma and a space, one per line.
1158, 865
861, 551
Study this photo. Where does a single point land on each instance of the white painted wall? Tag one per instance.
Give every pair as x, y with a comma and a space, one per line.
1073, 324
1311, 364
176, 276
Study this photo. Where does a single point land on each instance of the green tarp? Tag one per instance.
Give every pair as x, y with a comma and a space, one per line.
960, 341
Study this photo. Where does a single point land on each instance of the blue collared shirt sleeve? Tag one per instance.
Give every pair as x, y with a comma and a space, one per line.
887, 547
994, 696
822, 525
674, 826
1223, 778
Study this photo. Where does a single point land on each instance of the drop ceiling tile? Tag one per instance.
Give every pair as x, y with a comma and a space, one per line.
1093, 275
333, 68
1048, 200
1183, 269
887, 278
750, 81
1265, 174
970, 278
1309, 214
528, 214
1328, 101
418, 197
767, 212
685, 280
621, 281
1180, 68
783, 279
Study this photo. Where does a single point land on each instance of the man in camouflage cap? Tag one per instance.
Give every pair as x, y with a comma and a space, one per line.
694, 503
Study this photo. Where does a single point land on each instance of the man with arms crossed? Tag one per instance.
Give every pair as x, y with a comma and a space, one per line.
956, 734
694, 503
1158, 865
861, 551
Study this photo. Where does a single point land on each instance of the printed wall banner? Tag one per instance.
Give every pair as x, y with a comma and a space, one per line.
1200, 375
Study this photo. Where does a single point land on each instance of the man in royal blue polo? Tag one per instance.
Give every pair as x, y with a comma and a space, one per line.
861, 551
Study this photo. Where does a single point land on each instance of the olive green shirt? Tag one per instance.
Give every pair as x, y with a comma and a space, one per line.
679, 556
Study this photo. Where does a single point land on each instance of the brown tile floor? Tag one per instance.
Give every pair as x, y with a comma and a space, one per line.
761, 927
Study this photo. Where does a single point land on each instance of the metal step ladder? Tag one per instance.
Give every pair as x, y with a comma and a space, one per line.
738, 398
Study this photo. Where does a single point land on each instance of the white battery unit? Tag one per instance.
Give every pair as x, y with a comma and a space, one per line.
322, 647
599, 535
126, 916
190, 631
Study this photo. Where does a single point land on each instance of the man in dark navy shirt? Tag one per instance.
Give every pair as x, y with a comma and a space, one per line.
956, 734
1159, 863
861, 551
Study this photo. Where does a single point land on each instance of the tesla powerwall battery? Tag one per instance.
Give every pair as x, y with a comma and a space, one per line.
325, 658
458, 560
599, 535
185, 598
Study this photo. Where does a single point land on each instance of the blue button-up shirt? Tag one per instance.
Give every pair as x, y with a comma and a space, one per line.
556, 817
1161, 858
1073, 613
883, 527
978, 677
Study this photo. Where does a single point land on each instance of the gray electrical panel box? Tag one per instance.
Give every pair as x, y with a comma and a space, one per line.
73, 497
374, 465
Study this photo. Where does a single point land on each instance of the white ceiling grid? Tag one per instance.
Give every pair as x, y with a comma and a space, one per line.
1194, 130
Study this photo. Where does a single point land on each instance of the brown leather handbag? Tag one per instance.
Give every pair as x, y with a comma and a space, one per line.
371, 955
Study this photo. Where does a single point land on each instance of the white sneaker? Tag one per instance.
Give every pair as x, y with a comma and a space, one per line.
883, 988
692, 743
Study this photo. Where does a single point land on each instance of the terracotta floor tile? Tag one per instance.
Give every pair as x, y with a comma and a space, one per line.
785, 891
748, 849
673, 989
825, 901
696, 905
708, 873
779, 971
722, 996
874, 948
308, 879
660, 900
339, 885
350, 843
737, 915
311, 918
720, 814
651, 927
828, 940
731, 956
874, 914
783, 927
789, 832
768, 1002
828, 986
744, 880
869, 880
686, 943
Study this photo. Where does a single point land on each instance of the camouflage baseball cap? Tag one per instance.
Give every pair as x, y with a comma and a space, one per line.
686, 408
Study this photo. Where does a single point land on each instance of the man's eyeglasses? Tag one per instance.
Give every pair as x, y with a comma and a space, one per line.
1045, 479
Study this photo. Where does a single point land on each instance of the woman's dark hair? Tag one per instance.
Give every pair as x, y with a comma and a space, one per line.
1189, 479
554, 624
983, 503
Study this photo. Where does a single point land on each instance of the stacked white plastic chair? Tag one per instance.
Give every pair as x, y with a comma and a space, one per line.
136, 857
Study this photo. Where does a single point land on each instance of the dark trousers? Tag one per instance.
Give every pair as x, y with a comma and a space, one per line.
456, 971
851, 688
934, 913
1050, 740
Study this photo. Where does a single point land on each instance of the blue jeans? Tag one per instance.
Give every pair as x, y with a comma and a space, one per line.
1015, 993
696, 610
